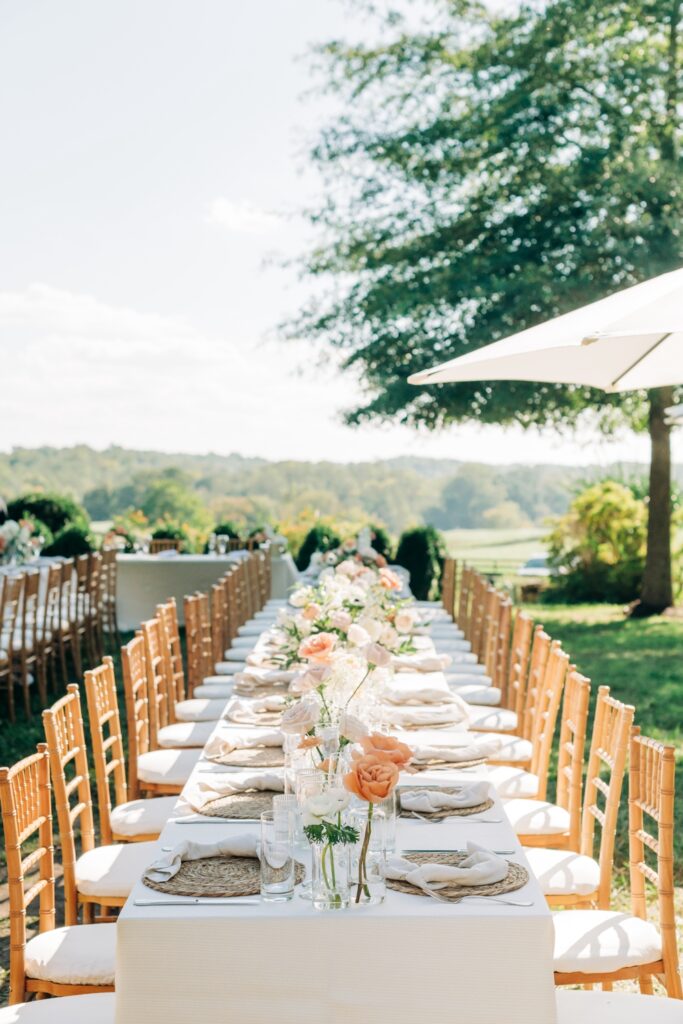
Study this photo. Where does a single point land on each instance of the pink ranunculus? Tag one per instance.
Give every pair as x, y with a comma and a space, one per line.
377, 655
318, 648
341, 620
310, 679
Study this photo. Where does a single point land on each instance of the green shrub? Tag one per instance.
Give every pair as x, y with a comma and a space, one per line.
381, 541
171, 531
71, 541
599, 545
421, 551
318, 538
227, 529
54, 510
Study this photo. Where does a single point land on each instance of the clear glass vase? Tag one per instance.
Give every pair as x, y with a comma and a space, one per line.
330, 876
369, 855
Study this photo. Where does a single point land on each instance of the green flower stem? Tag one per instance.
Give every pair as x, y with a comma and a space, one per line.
362, 871
370, 668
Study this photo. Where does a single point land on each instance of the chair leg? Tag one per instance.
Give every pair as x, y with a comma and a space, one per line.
645, 982
76, 653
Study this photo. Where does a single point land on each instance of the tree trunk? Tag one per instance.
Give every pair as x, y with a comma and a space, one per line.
657, 589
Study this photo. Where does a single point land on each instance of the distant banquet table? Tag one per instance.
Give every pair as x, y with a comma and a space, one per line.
144, 581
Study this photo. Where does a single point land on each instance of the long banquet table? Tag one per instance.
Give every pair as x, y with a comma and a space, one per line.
409, 959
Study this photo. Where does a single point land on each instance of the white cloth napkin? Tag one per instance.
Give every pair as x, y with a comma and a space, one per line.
248, 709
468, 750
480, 867
421, 662
426, 715
413, 690
425, 801
227, 783
253, 676
225, 742
168, 864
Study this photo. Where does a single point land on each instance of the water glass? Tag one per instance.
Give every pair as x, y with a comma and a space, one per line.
212, 543
277, 861
222, 542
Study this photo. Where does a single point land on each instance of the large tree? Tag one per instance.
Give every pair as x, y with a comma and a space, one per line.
490, 171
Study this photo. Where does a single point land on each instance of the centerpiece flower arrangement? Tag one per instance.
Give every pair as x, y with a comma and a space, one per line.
326, 831
16, 541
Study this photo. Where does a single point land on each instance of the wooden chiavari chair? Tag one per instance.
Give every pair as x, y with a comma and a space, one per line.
51, 621
68, 638
151, 769
448, 586
100, 876
11, 590
576, 879
465, 599
121, 820
79, 619
93, 622
601, 946
558, 824
26, 643
48, 962
165, 679
108, 596
158, 544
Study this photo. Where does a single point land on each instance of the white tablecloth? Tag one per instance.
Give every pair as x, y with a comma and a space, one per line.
409, 959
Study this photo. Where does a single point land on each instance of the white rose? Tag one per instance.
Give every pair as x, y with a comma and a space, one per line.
358, 636
300, 718
371, 626
404, 621
389, 637
377, 655
325, 806
300, 597
309, 680
348, 568
303, 625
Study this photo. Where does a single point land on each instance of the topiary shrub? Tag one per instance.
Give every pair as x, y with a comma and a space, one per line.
381, 541
55, 510
318, 538
171, 531
421, 551
227, 529
71, 541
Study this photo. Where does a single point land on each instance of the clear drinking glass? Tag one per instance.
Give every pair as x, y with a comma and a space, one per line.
222, 542
212, 543
277, 862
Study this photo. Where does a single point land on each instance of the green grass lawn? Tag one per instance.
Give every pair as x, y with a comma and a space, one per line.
516, 546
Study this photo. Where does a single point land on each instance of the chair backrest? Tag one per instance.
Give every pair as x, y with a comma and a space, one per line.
570, 751
218, 639
158, 544
515, 679
612, 726
160, 689
107, 743
544, 708
538, 659
68, 756
652, 777
134, 665
484, 602
464, 599
52, 603
27, 818
167, 614
448, 585
82, 567
29, 627
67, 595
94, 584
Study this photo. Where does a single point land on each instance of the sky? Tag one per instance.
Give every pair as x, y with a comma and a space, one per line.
154, 163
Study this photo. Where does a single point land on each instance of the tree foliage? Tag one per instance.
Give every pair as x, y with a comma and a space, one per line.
490, 171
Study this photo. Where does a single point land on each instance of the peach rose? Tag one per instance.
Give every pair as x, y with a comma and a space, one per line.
387, 747
318, 647
312, 611
390, 580
372, 779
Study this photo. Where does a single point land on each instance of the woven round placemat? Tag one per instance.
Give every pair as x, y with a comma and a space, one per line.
252, 757
426, 766
516, 878
462, 812
216, 876
240, 805
269, 690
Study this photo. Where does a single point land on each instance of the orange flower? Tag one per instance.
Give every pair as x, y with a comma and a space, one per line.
389, 580
308, 742
318, 647
372, 779
387, 748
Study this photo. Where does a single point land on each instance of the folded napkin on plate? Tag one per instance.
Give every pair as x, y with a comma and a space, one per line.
225, 742
414, 691
426, 801
255, 676
421, 662
411, 716
248, 710
468, 750
480, 867
168, 864
228, 783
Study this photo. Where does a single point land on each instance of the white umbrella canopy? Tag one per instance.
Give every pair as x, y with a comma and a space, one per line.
632, 339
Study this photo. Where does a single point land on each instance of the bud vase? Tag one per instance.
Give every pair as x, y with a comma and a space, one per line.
369, 855
330, 876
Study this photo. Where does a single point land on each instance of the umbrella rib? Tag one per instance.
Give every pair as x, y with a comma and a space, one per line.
639, 360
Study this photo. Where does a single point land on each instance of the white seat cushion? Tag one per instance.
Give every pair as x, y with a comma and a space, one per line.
167, 767
447, 630
185, 734
90, 1009
242, 643
510, 781
229, 668
451, 645
562, 873
253, 629
459, 658
222, 680
199, 710
235, 655
536, 817
497, 719
113, 870
142, 817
616, 1008
487, 696
456, 673
210, 691
84, 954
591, 941
512, 748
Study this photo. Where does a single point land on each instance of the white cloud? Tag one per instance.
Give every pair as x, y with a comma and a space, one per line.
242, 216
